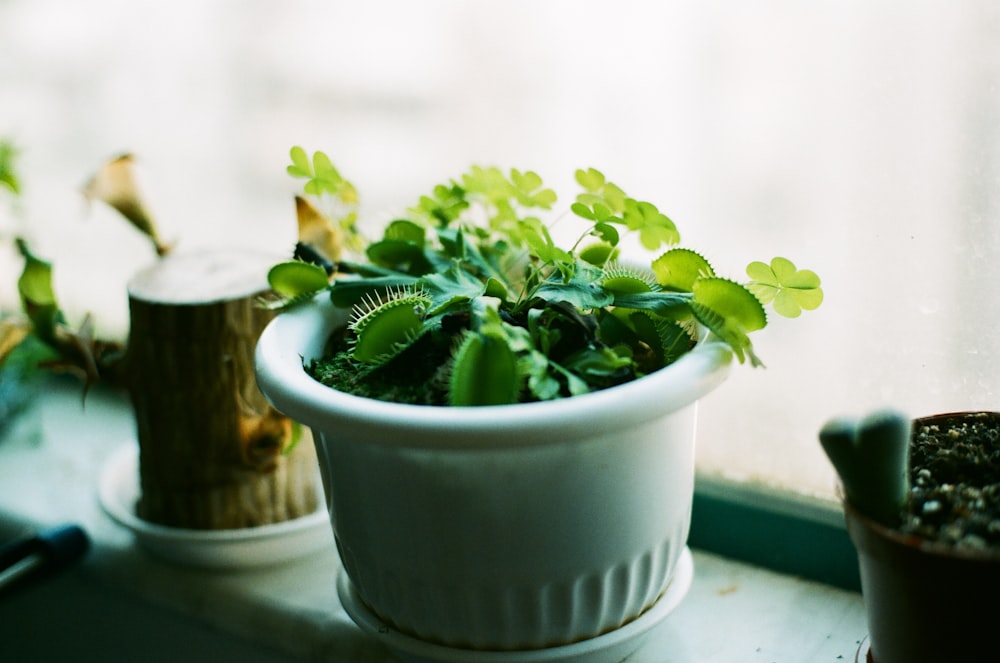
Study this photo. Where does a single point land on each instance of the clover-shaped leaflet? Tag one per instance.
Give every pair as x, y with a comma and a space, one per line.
788, 289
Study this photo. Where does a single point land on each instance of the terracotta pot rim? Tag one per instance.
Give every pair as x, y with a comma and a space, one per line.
957, 414
918, 543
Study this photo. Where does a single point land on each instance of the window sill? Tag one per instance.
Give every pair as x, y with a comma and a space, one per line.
736, 609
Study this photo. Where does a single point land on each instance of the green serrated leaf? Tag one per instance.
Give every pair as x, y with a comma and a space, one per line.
347, 292
485, 370
666, 304
678, 269
384, 328
730, 311
484, 373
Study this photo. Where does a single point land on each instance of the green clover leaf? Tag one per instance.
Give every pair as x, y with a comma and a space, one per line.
787, 289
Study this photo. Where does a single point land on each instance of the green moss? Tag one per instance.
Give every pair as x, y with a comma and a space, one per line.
417, 376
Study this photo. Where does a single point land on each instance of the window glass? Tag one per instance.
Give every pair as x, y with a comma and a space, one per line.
859, 139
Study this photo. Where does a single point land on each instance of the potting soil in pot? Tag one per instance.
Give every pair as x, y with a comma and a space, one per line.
955, 479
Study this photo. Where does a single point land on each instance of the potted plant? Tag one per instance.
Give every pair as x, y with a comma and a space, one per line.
213, 456
922, 505
507, 446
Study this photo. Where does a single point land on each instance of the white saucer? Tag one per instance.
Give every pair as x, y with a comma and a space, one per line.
118, 491
612, 647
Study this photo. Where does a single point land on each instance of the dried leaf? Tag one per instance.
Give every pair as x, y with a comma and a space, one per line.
115, 184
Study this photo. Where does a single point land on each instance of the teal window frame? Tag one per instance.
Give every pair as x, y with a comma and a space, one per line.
774, 529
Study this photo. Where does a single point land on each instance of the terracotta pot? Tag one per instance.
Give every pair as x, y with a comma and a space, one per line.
925, 601
505, 527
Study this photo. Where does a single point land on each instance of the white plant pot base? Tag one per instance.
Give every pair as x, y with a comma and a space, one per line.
611, 647
501, 528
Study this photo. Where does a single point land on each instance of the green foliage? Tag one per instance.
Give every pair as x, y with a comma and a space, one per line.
74, 350
470, 296
321, 175
38, 298
790, 290
8, 172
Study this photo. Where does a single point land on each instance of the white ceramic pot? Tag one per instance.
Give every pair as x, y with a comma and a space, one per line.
503, 527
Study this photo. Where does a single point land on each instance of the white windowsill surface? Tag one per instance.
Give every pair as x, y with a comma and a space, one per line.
51, 456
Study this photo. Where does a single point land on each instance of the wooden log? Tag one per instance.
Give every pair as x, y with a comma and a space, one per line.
210, 445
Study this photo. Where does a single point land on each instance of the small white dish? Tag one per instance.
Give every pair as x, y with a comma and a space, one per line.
118, 491
612, 647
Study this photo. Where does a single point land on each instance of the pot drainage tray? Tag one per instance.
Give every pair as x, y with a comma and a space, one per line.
612, 647
118, 490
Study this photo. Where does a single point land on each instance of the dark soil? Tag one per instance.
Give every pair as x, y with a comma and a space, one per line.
955, 481
418, 376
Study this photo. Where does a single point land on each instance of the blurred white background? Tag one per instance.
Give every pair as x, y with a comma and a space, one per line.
859, 139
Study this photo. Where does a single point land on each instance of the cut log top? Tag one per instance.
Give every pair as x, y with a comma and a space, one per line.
203, 277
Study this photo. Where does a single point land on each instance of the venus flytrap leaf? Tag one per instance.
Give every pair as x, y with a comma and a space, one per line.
485, 366
297, 280
384, 328
484, 373
347, 292
670, 305
599, 253
729, 311
678, 269
559, 322
621, 279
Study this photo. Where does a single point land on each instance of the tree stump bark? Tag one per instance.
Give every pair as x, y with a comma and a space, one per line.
211, 448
